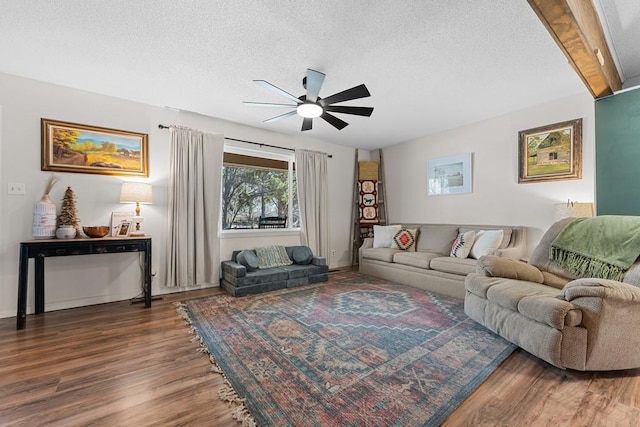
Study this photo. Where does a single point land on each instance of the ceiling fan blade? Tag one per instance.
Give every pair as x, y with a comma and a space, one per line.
265, 84
307, 123
267, 104
346, 95
334, 121
280, 117
314, 83
358, 111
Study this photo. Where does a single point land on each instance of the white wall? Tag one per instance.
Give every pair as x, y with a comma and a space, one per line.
497, 198
76, 281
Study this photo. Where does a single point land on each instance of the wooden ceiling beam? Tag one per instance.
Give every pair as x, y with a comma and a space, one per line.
576, 28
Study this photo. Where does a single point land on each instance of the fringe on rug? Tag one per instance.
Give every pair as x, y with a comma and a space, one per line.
226, 393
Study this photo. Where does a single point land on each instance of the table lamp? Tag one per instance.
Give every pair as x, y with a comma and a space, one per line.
138, 193
573, 210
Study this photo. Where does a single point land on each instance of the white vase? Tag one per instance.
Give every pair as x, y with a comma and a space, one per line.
44, 218
66, 232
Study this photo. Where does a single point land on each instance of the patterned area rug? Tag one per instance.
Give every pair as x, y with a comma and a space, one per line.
356, 352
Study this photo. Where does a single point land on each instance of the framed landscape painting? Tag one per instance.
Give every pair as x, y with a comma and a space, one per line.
72, 147
551, 153
449, 175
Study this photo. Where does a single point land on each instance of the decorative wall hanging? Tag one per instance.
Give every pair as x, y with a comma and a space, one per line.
368, 201
72, 147
449, 175
551, 153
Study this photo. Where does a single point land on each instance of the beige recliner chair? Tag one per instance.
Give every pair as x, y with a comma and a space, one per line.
581, 323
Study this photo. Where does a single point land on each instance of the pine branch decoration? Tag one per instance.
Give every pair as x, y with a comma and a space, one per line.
68, 212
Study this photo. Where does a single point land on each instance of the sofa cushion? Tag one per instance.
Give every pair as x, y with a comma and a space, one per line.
414, 259
495, 266
380, 254
302, 255
248, 258
436, 238
383, 235
508, 293
463, 244
540, 255
553, 280
461, 266
405, 239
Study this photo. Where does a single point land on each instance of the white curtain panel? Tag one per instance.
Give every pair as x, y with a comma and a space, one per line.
193, 252
313, 200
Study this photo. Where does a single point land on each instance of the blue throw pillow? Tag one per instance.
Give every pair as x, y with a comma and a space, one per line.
249, 259
302, 255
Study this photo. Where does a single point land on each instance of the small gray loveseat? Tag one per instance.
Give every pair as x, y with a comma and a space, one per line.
242, 276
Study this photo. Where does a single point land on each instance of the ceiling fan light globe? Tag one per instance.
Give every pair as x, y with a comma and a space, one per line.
309, 110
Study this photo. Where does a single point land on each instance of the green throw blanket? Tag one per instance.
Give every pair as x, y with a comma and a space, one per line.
603, 246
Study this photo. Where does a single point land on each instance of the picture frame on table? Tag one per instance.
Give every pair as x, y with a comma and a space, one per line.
449, 175
124, 229
117, 219
550, 153
74, 147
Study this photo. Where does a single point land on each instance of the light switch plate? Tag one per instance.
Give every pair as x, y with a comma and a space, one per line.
16, 188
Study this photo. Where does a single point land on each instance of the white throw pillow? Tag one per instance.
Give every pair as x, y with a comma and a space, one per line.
486, 242
462, 245
383, 235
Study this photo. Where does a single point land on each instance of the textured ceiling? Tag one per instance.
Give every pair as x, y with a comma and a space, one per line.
621, 20
429, 65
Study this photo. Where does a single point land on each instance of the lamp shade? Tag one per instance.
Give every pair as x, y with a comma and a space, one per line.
573, 210
136, 192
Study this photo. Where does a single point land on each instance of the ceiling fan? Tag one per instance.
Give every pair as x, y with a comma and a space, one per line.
310, 105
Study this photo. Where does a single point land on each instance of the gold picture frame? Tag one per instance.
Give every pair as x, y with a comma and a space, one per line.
73, 147
551, 153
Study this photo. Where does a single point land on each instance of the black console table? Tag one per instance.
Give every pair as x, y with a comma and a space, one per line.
40, 249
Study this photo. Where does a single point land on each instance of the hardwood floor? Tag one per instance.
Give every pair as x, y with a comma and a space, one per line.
121, 364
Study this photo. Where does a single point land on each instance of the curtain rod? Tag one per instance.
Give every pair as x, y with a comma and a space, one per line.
161, 126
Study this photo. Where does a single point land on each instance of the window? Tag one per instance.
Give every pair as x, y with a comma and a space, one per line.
257, 184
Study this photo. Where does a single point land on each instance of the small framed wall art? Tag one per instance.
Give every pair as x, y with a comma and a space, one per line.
551, 153
449, 175
72, 147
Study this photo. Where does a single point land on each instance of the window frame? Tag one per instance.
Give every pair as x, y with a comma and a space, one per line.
267, 153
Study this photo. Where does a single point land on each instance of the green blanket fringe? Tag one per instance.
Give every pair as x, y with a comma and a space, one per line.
583, 266
603, 247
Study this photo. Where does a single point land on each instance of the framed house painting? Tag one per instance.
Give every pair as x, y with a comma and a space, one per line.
551, 153
449, 175
72, 147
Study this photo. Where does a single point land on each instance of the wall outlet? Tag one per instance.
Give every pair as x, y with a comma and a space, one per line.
16, 188
333, 252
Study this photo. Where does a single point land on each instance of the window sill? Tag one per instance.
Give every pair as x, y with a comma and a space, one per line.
241, 234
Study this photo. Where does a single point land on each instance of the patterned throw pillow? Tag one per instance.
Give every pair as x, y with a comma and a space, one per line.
405, 239
463, 244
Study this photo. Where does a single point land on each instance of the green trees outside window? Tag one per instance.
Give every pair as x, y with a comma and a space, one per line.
250, 192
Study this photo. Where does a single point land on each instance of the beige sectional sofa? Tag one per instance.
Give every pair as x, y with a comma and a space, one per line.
430, 266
